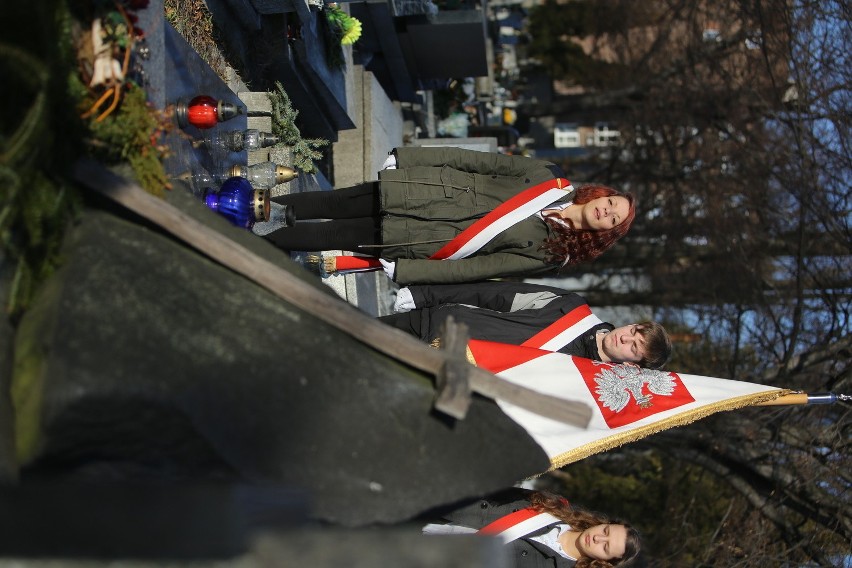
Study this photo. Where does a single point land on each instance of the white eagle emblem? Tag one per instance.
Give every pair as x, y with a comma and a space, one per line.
615, 385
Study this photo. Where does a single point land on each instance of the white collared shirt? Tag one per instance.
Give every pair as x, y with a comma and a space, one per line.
554, 209
551, 539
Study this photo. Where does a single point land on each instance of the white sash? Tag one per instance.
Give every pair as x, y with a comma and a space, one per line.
564, 330
508, 220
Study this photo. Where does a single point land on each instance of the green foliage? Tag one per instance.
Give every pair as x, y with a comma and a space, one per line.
345, 26
36, 146
332, 33
305, 150
126, 135
115, 29
32, 222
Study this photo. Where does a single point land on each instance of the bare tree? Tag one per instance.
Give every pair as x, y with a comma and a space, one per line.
735, 130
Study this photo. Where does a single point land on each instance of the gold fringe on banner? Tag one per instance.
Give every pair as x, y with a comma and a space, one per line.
682, 419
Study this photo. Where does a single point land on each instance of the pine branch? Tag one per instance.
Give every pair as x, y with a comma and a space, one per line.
305, 150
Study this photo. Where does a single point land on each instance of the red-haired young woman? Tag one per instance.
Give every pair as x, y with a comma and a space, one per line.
442, 215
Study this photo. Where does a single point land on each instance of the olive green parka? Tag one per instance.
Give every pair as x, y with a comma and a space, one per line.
436, 193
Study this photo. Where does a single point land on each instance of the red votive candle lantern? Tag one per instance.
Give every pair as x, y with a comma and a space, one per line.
204, 112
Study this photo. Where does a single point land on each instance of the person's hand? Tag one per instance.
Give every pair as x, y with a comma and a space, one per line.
389, 267
390, 163
404, 301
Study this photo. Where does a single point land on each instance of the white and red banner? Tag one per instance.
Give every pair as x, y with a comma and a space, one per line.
628, 402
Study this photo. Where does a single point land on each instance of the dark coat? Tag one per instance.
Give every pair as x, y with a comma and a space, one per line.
436, 193
506, 312
525, 553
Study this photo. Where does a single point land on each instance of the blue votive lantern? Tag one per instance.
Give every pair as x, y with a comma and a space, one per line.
239, 202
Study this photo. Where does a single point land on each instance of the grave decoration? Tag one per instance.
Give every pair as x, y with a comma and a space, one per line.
107, 90
264, 175
239, 202
347, 28
239, 140
199, 180
204, 112
339, 29
304, 150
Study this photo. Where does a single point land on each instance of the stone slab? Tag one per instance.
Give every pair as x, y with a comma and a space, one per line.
146, 360
262, 123
256, 101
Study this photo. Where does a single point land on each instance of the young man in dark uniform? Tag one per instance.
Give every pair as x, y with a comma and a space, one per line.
538, 316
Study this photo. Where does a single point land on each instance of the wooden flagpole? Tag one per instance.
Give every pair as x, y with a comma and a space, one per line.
805, 398
385, 339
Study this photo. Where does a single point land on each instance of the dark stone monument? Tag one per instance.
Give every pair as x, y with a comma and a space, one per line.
142, 359
281, 40
410, 45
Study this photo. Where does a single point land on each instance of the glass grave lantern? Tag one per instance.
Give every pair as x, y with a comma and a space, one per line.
239, 202
265, 175
204, 112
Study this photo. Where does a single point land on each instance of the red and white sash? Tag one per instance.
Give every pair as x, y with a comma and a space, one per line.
509, 213
518, 524
468, 242
564, 330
